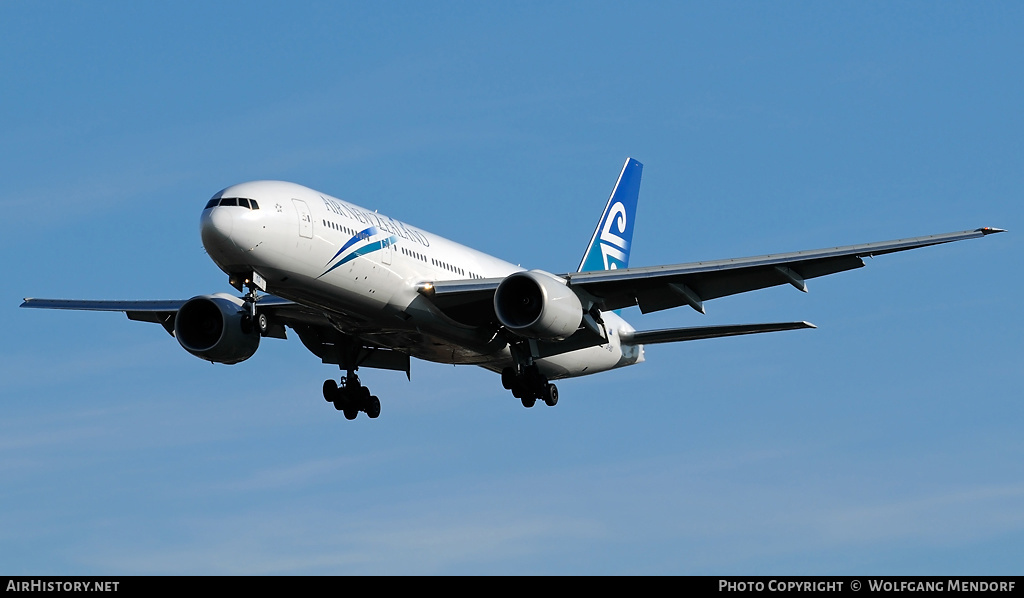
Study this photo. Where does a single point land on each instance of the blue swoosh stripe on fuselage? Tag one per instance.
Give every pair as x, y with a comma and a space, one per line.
360, 236
363, 251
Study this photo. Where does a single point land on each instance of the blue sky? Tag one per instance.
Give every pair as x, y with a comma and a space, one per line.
886, 441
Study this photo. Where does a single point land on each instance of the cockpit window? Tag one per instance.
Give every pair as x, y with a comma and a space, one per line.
232, 201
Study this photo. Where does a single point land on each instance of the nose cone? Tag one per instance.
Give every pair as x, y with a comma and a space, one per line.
215, 227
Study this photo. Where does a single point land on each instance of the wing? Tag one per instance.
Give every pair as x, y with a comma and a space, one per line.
163, 311
661, 287
160, 312
320, 331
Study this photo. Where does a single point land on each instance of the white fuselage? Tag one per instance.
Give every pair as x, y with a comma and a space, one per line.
365, 270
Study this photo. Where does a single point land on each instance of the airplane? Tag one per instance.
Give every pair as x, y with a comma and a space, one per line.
363, 290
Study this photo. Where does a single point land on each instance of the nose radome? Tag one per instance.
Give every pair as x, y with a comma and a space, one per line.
222, 219
215, 228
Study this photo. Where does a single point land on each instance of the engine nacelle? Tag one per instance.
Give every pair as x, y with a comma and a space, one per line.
216, 328
536, 304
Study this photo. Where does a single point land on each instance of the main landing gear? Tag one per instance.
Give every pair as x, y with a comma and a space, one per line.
351, 397
529, 385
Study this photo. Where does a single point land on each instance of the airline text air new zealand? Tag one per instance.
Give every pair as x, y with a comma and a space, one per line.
362, 290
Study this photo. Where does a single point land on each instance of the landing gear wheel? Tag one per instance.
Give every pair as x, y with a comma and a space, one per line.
261, 323
508, 378
529, 401
550, 395
372, 408
330, 391
350, 412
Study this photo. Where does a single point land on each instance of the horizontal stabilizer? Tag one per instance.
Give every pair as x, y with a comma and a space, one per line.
673, 335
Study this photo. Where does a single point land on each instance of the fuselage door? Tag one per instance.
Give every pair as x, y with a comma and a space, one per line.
305, 219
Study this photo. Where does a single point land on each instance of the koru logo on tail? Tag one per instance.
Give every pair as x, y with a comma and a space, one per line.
614, 248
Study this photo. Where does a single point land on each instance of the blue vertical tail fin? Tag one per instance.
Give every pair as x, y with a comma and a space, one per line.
609, 247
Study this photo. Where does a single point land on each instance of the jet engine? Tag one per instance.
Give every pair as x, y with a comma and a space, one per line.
539, 305
216, 328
